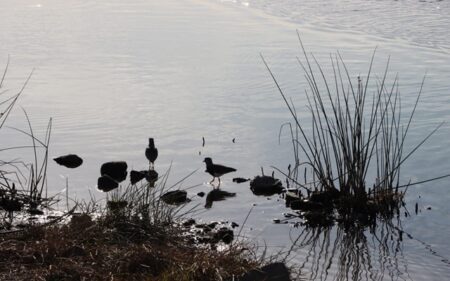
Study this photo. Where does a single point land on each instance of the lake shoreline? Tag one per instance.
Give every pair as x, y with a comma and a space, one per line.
114, 247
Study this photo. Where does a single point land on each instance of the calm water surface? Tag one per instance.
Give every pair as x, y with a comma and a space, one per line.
113, 73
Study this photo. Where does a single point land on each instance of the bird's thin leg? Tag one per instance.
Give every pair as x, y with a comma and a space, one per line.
219, 183
212, 180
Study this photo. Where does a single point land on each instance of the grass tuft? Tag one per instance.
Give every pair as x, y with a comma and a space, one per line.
357, 129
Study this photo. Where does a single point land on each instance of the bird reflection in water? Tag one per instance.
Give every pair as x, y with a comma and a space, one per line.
217, 194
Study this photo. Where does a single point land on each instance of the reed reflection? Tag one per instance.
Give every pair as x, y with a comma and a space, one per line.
351, 252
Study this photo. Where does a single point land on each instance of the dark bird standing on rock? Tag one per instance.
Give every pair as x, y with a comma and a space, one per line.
216, 170
70, 161
151, 152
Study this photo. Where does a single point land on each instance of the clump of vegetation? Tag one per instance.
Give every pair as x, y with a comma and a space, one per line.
22, 185
357, 129
131, 239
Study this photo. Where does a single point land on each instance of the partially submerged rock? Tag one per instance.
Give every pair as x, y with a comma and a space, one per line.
137, 176
325, 197
305, 205
318, 218
327, 207
317, 200
115, 170
265, 185
223, 234
240, 180
292, 195
106, 183
70, 161
175, 197
210, 233
189, 222
35, 212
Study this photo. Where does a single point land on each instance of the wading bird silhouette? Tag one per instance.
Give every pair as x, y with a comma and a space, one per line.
216, 170
151, 152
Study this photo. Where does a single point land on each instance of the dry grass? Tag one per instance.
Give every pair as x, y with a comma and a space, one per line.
115, 249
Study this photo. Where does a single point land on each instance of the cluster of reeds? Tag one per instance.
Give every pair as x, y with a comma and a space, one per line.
22, 185
357, 129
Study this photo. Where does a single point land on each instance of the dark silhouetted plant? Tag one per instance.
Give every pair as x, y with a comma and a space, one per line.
357, 128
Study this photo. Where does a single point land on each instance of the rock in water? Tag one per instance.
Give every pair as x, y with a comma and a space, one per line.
224, 234
265, 185
240, 180
115, 170
175, 197
106, 183
70, 161
137, 176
